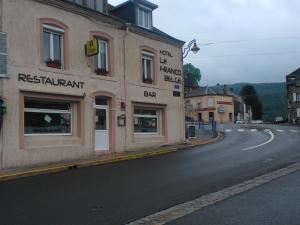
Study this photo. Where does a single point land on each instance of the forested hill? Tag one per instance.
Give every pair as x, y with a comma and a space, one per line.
272, 95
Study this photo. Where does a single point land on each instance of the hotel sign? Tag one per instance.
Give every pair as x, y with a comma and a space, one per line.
36, 79
92, 47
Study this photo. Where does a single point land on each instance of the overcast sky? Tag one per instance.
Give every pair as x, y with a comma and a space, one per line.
241, 40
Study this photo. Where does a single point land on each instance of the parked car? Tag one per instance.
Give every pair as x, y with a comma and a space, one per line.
240, 122
257, 122
278, 120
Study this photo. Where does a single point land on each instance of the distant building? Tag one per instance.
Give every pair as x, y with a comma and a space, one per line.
215, 104
293, 94
206, 104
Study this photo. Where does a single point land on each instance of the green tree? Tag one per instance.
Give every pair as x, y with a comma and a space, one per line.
192, 75
250, 97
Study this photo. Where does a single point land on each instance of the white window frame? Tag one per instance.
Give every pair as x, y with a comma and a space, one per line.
58, 31
157, 117
106, 53
53, 111
146, 13
296, 97
147, 56
298, 113
5, 54
210, 100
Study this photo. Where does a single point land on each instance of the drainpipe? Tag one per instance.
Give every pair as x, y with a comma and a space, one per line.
124, 80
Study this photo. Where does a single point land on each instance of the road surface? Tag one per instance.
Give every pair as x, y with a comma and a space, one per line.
125, 191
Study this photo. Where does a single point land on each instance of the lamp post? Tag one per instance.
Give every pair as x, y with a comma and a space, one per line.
195, 49
192, 46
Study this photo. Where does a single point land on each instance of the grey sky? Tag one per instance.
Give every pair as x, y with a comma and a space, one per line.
254, 40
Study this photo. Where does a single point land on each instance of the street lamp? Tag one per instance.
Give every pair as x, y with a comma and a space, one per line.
195, 49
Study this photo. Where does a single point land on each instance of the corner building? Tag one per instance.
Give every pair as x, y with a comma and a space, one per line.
62, 104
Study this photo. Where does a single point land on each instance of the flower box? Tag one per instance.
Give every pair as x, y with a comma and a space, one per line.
54, 64
101, 72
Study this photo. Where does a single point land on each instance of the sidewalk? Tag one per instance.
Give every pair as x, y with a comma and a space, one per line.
275, 203
104, 159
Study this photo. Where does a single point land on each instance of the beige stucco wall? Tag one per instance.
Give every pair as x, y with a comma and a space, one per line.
205, 109
23, 27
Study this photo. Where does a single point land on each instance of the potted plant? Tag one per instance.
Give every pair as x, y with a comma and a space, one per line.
101, 71
54, 64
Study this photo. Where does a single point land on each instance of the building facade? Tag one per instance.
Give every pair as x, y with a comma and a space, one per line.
293, 94
204, 104
82, 78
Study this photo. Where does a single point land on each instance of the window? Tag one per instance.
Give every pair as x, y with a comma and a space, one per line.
147, 66
146, 121
298, 112
97, 5
101, 60
144, 17
44, 117
296, 97
53, 41
3, 54
210, 102
199, 105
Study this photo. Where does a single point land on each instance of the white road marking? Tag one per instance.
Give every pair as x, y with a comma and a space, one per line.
253, 130
228, 130
294, 131
241, 130
280, 131
265, 143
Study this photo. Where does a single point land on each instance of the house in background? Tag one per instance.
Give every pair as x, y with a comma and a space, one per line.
205, 104
293, 94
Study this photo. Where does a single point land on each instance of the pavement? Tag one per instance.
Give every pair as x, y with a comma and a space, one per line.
203, 137
275, 203
126, 191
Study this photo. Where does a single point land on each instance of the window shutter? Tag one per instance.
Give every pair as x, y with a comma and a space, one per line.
294, 97
3, 54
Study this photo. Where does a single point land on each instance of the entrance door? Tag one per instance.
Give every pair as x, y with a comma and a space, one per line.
211, 116
102, 129
200, 117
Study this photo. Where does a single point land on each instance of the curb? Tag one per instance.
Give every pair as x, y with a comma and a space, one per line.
70, 166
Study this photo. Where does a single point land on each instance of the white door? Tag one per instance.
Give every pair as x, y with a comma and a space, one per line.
102, 129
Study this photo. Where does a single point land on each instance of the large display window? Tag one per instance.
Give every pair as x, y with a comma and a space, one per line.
47, 118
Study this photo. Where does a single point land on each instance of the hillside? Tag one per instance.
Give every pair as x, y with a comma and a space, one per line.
272, 95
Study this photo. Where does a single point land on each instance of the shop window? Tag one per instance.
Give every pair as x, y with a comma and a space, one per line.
146, 121
53, 46
101, 61
148, 67
144, 17
47, 118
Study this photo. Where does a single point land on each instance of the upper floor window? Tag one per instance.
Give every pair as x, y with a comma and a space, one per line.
97, 5
210, 102
296, 97
101, 61
144, 17
148, 67
53, 43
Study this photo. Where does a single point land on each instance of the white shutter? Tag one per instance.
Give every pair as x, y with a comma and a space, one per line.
294, 97
3, 54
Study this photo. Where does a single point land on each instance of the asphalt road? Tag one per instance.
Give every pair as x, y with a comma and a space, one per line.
122, 192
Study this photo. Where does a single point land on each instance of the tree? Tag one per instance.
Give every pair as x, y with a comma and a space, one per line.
192, 75
250, 97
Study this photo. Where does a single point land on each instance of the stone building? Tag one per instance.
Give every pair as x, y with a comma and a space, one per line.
293, 94
82, 78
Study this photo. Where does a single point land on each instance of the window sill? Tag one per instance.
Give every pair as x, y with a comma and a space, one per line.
102, 77
54, 70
